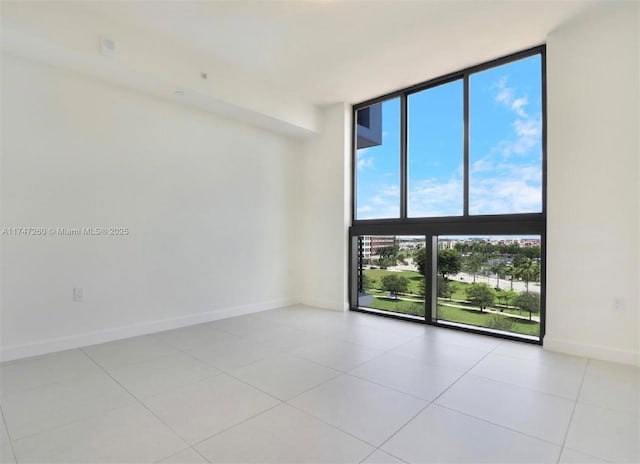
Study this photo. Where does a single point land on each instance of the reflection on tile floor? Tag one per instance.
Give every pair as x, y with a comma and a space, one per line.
300, 384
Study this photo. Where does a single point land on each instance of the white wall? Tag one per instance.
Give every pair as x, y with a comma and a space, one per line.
211, 205
593, 197
66, 35
326, 178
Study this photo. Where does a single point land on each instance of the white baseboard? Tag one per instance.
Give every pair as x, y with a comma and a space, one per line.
325, 304
603, 353
79, 340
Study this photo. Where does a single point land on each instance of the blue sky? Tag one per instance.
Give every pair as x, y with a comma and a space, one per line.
505, 154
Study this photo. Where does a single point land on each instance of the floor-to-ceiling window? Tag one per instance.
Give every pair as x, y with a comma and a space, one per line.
449, 212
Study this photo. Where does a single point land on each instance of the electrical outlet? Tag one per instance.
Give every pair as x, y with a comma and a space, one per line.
78, 294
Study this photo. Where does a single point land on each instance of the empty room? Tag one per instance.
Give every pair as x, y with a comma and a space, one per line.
320, 231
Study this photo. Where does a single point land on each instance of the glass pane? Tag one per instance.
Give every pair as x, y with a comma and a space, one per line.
391, 273
436, 151
505, 139
491, 282
378, 161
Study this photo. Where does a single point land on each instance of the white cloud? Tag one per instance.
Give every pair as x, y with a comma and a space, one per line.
433, 198
518, 105
509, 189
362, 161
362, 210
505, 94
528, 135
385, 204
527, 128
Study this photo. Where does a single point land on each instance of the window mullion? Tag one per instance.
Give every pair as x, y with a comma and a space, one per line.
403, 157
465, 167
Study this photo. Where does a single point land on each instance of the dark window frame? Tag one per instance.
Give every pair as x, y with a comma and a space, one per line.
432, 227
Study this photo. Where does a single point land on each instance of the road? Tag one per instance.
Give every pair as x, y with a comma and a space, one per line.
505, 284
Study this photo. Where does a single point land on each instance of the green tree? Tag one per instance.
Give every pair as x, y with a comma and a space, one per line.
445, 290
505, 297
528, 302
473, 264
395, 284
528, 271
386, 262
449, 262
511, 272
498, 269
390, 251
367, 282
480, 295
530, 252
419, 259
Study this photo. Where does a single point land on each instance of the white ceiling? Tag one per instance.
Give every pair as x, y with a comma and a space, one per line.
328, 50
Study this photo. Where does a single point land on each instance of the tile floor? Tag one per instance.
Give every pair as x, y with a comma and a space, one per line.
306, 385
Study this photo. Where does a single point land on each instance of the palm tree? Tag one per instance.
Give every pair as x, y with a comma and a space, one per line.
498, 269
528, 271
510, 270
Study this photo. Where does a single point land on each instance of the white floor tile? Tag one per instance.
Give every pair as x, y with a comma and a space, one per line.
129, 434
4, 437
527, 411
369, 336
188, 456
42, 408
336, 354
284, 338
604, 433
243, 326
441, 354
613, 386
494, 400
6, 454
196, 337
234, 354
284, 435
405, 328
553, 379
408, 375
42, 370
163, 374
284, 376
570, 456
365, 410
129, 351
321, 322
203, 409
439, 435
538, 353
380, 457
468, 340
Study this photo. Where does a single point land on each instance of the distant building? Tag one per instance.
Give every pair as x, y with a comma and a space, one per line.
370, 244
369, 130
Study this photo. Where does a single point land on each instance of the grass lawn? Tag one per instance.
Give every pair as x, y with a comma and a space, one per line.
398, 306
375, 275
470, 316
475, 317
